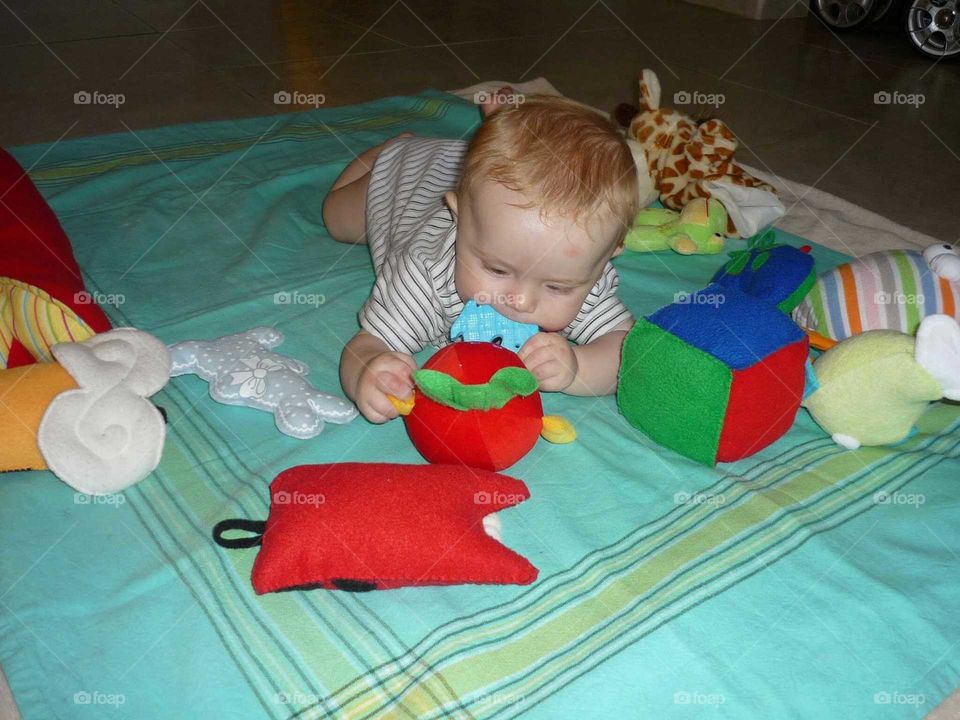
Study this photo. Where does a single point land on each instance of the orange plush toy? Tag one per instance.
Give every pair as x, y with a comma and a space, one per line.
72, 391
86, 417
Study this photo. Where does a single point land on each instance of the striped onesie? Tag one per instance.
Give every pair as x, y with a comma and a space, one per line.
412, 240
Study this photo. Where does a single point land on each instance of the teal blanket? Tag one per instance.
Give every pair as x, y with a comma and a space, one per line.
805, 581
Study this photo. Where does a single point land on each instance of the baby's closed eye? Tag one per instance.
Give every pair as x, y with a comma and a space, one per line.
499, 272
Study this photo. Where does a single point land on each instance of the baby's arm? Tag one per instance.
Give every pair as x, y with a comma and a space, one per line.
598, 363
588, 369
369, 371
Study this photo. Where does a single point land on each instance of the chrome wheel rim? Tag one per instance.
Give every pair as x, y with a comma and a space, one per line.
844, 13
934, 27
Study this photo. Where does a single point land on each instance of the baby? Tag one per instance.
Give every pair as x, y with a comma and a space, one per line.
525, 218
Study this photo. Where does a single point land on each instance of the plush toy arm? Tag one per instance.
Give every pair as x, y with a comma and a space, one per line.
944, 261
293, 365
938, 352
184, 357
682, 243
645, 238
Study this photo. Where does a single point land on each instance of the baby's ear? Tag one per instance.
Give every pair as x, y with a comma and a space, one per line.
450, 197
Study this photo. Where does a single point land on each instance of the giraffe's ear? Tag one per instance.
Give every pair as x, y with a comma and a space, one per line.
649, 90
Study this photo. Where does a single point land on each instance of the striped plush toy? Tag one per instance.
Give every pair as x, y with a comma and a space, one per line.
891, 290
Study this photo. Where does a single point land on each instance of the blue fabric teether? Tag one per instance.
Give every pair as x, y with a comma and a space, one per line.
482, 323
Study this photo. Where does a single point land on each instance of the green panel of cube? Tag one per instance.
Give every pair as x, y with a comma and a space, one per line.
675, 393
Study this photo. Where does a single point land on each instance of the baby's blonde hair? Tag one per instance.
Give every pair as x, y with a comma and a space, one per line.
565, 157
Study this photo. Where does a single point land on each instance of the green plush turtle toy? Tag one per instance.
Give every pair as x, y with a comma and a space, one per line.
696, 230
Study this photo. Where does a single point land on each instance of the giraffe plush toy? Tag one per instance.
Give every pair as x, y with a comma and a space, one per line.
679, 160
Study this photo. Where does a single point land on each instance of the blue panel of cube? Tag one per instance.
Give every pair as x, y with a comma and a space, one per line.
736, 328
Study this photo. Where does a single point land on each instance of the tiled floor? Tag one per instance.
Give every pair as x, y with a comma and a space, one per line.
800, 98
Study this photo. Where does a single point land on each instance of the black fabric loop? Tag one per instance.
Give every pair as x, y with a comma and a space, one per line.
225, 526
349, 585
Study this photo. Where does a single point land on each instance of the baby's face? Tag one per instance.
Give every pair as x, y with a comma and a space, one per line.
530, 269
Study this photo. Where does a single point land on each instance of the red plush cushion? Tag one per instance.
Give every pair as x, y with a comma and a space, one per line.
490, 439
35, 250
366, 526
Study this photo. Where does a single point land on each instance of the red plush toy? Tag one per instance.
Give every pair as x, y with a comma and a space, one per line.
475, 403
374, 526
42, 296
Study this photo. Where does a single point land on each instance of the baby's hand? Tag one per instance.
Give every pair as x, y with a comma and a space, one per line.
388, 373
551, 359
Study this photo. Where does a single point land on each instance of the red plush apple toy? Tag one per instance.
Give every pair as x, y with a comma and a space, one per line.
475, 403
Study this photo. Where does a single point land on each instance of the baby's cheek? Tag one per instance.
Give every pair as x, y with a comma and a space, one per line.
466, 282
560, 312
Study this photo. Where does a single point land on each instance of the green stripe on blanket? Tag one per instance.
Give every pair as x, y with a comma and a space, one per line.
660, 580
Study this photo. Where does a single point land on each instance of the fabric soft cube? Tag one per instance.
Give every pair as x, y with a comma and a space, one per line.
734, 327
688, 399
719, 374
676, 395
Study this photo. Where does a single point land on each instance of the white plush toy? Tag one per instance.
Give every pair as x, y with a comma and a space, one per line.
86, 417
243, 370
